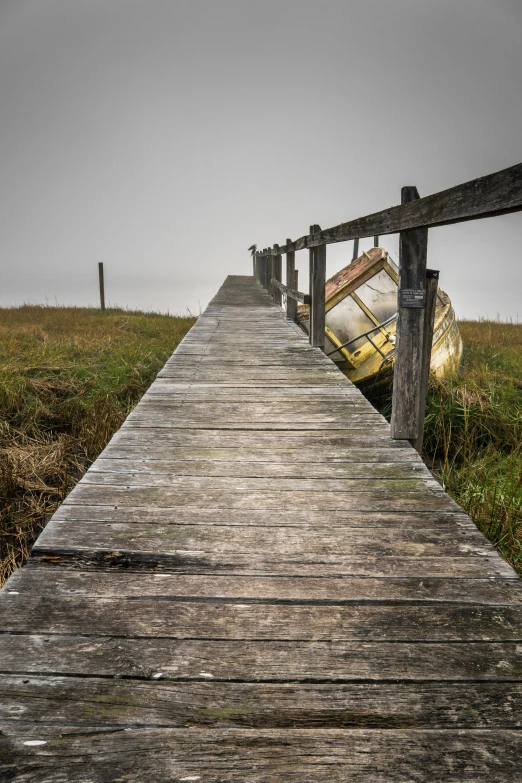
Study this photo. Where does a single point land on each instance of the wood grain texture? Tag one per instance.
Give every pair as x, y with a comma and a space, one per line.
105, 755
255, 583
409, 349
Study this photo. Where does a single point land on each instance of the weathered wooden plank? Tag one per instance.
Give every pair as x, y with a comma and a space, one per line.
296, 516
341, 439
184, 620
78, 754
166, 497
115, 583
243, 468
77, 701
259, 660
255, 484
309, 543
295, 566
294, 462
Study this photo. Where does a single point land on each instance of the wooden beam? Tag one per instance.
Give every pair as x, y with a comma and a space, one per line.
495, 194
317, 295
413, 247
291, 304
277, 274
432, 282
292, 293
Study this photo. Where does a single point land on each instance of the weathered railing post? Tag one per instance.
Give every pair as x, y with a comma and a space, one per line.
277, 274
266, 270
432, 282
355, 249
413, 249
376, 241
317, 297
291, 304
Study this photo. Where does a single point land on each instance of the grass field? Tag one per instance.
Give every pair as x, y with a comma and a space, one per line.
68, 378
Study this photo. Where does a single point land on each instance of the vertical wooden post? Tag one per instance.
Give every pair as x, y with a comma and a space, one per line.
355, 249
102, 286
432, 283
413, 249
376, 241
295, 285
270, 258
311, 263
291, 304
312, 276
264, 270
317, 296
278, 274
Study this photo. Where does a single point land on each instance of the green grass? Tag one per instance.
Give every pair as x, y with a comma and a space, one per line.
473, 432
68, 378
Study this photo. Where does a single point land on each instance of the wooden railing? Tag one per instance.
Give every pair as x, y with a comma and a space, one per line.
495, 194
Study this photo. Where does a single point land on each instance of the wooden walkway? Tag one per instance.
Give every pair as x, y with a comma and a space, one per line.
255, 584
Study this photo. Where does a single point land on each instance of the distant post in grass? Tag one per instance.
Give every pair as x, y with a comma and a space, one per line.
102, 287
407, 375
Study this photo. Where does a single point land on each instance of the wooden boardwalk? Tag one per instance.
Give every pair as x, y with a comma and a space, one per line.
255, 584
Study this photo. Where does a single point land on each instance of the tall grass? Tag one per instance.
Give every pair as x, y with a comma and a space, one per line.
473, 433
68, 378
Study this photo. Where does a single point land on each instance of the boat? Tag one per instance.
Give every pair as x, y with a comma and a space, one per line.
361, 322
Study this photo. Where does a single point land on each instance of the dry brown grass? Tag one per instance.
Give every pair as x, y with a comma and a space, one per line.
68, 378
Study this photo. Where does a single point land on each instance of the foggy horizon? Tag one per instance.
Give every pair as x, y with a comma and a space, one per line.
165, 137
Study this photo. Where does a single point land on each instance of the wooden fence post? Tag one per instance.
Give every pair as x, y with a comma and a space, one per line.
311, 262
355, 249
266, 271
413, 249
295, 285
317, 296
291, 304
376, 241
102, 286
432, 282
278, 275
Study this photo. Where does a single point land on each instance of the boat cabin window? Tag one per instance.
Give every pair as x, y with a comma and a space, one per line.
347, 320
379, 294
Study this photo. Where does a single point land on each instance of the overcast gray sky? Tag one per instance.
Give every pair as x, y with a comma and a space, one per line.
163, 137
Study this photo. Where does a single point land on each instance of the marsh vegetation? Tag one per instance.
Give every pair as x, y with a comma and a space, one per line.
68, 378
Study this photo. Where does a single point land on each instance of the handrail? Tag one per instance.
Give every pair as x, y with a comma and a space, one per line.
495, 194
298, 295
